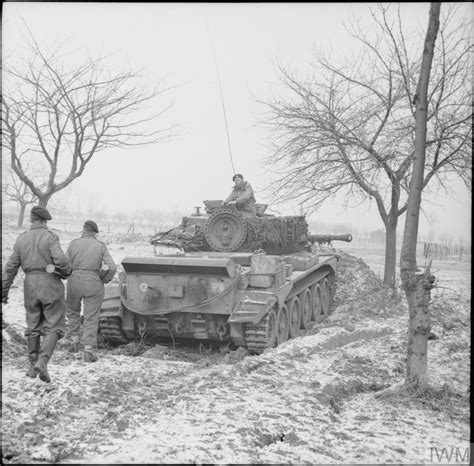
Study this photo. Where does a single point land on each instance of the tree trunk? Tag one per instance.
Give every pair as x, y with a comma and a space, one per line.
21, 215
43, 200
390, 254
417, 285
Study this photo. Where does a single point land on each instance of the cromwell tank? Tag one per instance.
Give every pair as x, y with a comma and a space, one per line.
247, 279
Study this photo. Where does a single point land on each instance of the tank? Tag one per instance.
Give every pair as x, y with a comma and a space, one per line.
243, 278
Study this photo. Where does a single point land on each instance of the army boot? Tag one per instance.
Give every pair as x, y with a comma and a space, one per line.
75, 344
47, 348
89, 354
33, 345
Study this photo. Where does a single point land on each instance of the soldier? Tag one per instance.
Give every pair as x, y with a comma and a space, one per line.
86, 284
35, 250
242, 195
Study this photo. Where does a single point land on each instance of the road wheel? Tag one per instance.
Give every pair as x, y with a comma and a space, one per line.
325, 296
332, 281
282, 325
295, 317
306, 300
317, 305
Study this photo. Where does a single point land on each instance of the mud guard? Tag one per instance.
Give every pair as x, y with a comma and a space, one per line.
252, 307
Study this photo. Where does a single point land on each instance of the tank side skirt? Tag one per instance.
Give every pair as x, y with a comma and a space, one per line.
308, 281
300, 280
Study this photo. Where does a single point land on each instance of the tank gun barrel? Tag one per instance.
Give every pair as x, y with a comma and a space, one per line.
322, 239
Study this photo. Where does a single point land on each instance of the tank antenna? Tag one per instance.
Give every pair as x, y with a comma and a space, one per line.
222, 99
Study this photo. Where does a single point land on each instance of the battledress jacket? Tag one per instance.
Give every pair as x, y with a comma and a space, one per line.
33, 251
243, 195
87, 253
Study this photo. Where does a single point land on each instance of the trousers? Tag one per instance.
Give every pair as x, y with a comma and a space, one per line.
44, 304
84, 287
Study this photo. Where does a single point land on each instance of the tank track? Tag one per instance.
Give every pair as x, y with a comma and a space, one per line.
256, 336
332, 296
111, 329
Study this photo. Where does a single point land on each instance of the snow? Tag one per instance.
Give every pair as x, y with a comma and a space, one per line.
329, 396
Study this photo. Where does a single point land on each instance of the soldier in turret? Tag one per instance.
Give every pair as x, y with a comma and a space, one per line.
39, 254
242, 195
92, 266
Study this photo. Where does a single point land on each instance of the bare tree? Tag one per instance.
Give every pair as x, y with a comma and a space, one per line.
14, 189
417, 284
61, 116
350, 129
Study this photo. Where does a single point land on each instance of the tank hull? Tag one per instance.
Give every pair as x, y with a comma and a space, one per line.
254, 300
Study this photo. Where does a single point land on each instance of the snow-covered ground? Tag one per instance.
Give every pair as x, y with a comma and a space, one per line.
329, 396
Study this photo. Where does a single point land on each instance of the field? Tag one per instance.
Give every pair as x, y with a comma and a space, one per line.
454, 276
332, 395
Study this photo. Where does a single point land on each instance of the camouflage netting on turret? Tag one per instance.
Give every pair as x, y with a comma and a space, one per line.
275, 235
187, 238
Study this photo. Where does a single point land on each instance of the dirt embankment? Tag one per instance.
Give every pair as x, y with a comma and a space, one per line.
320, 398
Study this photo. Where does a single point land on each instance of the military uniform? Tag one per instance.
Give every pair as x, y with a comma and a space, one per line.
43, 292
86, 284
244, 197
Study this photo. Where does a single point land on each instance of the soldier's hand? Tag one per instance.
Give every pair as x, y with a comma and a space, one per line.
4, 299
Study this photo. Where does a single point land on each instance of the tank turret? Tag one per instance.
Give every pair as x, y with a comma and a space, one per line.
226, 229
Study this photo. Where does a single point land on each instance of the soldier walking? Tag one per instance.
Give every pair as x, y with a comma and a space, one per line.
86, 284
37, 251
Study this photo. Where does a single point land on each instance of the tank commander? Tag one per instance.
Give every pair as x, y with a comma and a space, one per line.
92, 266
242, 195
40, 256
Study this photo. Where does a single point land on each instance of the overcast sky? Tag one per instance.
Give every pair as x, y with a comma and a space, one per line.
175, 42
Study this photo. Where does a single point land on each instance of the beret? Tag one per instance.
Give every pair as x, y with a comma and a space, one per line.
41, 213
237, 175
91, 226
